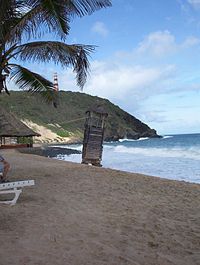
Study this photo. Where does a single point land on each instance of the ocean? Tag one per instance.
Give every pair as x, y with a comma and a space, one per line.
173, 156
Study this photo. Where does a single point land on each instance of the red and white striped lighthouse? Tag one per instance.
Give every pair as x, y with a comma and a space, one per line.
55, 82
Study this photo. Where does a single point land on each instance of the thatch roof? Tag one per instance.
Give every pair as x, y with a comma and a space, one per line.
10, 126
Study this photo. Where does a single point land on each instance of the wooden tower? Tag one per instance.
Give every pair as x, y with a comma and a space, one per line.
93, 135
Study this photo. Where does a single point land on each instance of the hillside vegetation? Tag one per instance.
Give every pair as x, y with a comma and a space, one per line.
67, 120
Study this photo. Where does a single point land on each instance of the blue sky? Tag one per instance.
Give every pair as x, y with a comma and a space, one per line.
147, 60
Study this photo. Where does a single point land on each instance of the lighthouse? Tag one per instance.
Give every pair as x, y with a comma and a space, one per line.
55, 82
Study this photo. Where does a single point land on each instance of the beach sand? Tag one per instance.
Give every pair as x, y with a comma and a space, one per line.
83, 215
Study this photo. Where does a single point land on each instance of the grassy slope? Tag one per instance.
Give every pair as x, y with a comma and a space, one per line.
70, 114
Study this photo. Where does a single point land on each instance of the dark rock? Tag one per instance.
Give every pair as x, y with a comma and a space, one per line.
130, 128
49, 151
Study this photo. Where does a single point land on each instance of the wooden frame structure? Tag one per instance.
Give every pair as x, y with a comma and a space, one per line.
93, 136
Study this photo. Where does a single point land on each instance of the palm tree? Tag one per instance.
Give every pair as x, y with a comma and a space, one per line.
22, 21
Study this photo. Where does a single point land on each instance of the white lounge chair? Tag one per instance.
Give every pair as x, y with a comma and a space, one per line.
12, 187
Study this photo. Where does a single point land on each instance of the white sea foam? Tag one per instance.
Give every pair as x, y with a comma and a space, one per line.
60, 146
71, 146
72, 158
105, 146
144, 138
190, 153
76, 147
178, 159
167, 136
132, 140
123, 140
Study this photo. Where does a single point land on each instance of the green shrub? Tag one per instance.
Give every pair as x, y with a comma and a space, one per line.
63, 133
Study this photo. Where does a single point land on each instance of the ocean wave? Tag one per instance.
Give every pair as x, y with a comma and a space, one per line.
132, 140
71, 146
144, 138
107, 146
76, 147
167, 136
190, 153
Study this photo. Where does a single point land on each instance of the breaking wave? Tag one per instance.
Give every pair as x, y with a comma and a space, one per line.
167, 136
173, 157
132, 140
72, 146
190, 153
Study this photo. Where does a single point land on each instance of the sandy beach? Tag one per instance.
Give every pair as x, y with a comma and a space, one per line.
82, 215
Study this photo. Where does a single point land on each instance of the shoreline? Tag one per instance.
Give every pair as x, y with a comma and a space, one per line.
48, 151
52, 151
78, 214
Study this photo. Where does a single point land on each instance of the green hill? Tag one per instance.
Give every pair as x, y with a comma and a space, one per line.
69, 117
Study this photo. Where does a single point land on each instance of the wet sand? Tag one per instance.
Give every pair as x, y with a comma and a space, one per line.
82, 215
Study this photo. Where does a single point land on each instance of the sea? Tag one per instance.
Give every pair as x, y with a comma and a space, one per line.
174, 157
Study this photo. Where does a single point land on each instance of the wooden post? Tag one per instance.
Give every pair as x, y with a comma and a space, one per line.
93, 136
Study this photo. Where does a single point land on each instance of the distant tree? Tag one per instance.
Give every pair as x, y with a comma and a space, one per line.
23, 21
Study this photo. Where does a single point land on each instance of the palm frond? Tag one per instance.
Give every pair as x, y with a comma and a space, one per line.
8, 17
9, 9
56, 14
32, 82
86, 7
81, 68
28, 18
72, 7
40, 17
28, 25
32, 18
53, 14
35, 21
60, 53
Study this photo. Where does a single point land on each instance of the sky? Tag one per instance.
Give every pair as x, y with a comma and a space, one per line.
147, 61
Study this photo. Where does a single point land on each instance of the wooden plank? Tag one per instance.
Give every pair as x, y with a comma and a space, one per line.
12, 185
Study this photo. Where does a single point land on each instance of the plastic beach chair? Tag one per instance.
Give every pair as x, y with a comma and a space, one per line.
14, 187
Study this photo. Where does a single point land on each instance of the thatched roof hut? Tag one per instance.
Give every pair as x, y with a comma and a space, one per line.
12, 130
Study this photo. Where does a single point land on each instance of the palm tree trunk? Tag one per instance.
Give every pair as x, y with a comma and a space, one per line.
1, 81
1, 73
1, 70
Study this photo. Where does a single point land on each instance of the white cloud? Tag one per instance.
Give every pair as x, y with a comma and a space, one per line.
162, 43
133, 78
100, 28
194, 3
158, 43
148, 93
127, 81
190, 41
126, 85
117, 82
67, 80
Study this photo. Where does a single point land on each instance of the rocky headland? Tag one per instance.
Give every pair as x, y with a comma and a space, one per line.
66, 122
